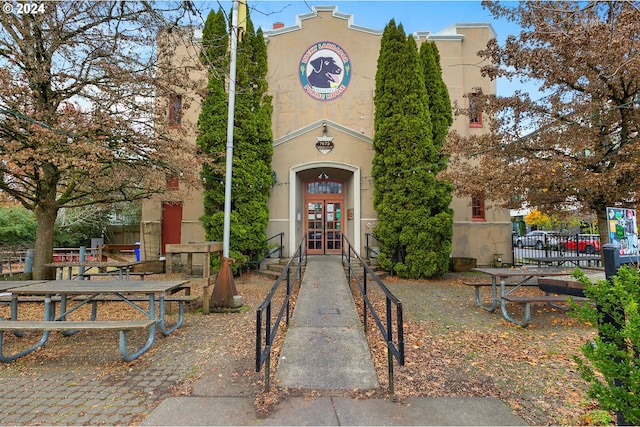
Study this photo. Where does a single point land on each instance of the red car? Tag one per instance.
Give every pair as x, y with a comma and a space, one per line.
587, 243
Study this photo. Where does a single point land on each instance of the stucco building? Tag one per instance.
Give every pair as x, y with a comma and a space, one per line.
323, 134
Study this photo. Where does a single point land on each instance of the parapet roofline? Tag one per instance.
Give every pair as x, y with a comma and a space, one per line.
451, 32
453, 29
448, 33
314, 13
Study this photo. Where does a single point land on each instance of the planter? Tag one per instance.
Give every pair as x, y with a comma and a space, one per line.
497, 260
462, 263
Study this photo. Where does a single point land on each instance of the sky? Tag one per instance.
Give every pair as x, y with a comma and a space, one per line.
415, 15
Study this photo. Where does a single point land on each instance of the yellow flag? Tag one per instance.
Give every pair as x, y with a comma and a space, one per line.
242, 18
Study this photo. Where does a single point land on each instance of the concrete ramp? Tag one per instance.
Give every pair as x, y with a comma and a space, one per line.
325, 347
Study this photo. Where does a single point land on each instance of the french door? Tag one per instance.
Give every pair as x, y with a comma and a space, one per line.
324, 202
324, 226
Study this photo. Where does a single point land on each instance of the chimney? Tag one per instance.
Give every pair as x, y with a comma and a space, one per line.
277, 25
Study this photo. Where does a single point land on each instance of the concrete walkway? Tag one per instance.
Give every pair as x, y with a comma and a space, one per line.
325, 348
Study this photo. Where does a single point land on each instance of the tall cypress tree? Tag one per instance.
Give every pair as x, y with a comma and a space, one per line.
441, 119
414, 231
439, 101
213, 116
252, 140
253, 146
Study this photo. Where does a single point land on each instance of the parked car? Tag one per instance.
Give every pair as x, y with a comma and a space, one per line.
538, 239
587, 243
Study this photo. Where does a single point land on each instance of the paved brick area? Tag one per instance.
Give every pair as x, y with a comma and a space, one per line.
81, 380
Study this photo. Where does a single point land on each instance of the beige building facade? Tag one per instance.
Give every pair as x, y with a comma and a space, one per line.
322, 78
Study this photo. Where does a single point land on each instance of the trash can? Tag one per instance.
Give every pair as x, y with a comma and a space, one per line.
137, 251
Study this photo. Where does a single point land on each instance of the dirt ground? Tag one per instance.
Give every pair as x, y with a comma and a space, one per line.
453, 348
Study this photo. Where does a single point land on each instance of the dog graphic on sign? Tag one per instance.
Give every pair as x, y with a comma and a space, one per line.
325, 71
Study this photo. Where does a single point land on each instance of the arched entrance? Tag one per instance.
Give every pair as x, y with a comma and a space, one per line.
300, 194
324, 225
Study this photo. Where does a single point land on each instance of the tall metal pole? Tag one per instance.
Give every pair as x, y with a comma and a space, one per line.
225, 294
230, 121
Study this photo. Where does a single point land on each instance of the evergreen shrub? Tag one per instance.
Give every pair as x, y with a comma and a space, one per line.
611, 362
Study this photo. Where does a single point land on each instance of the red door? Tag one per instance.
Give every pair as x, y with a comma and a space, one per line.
171, 223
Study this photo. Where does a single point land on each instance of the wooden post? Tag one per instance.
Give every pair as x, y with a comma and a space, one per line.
205, 297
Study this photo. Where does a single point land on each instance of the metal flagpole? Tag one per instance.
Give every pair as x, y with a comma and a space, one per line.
224, 293
230, 122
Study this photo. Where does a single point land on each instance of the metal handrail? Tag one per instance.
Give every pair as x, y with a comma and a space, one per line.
264, 312
393, 349
368, 248
269, 252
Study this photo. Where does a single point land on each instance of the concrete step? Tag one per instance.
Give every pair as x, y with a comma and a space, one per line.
373, 264
273, 275
380, 274
273, 268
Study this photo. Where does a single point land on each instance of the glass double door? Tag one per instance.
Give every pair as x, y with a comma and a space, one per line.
324, 226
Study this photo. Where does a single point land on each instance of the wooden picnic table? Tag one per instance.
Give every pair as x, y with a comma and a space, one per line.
74, 294
121, 271
506, 290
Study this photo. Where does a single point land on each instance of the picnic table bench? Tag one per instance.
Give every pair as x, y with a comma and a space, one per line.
116, 274
26, 298
7, 298
123, 326
552, 300
131, 299
478, 285
123, 268
14, 300
79, 293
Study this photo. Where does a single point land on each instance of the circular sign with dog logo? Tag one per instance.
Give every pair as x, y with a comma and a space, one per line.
325, 71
